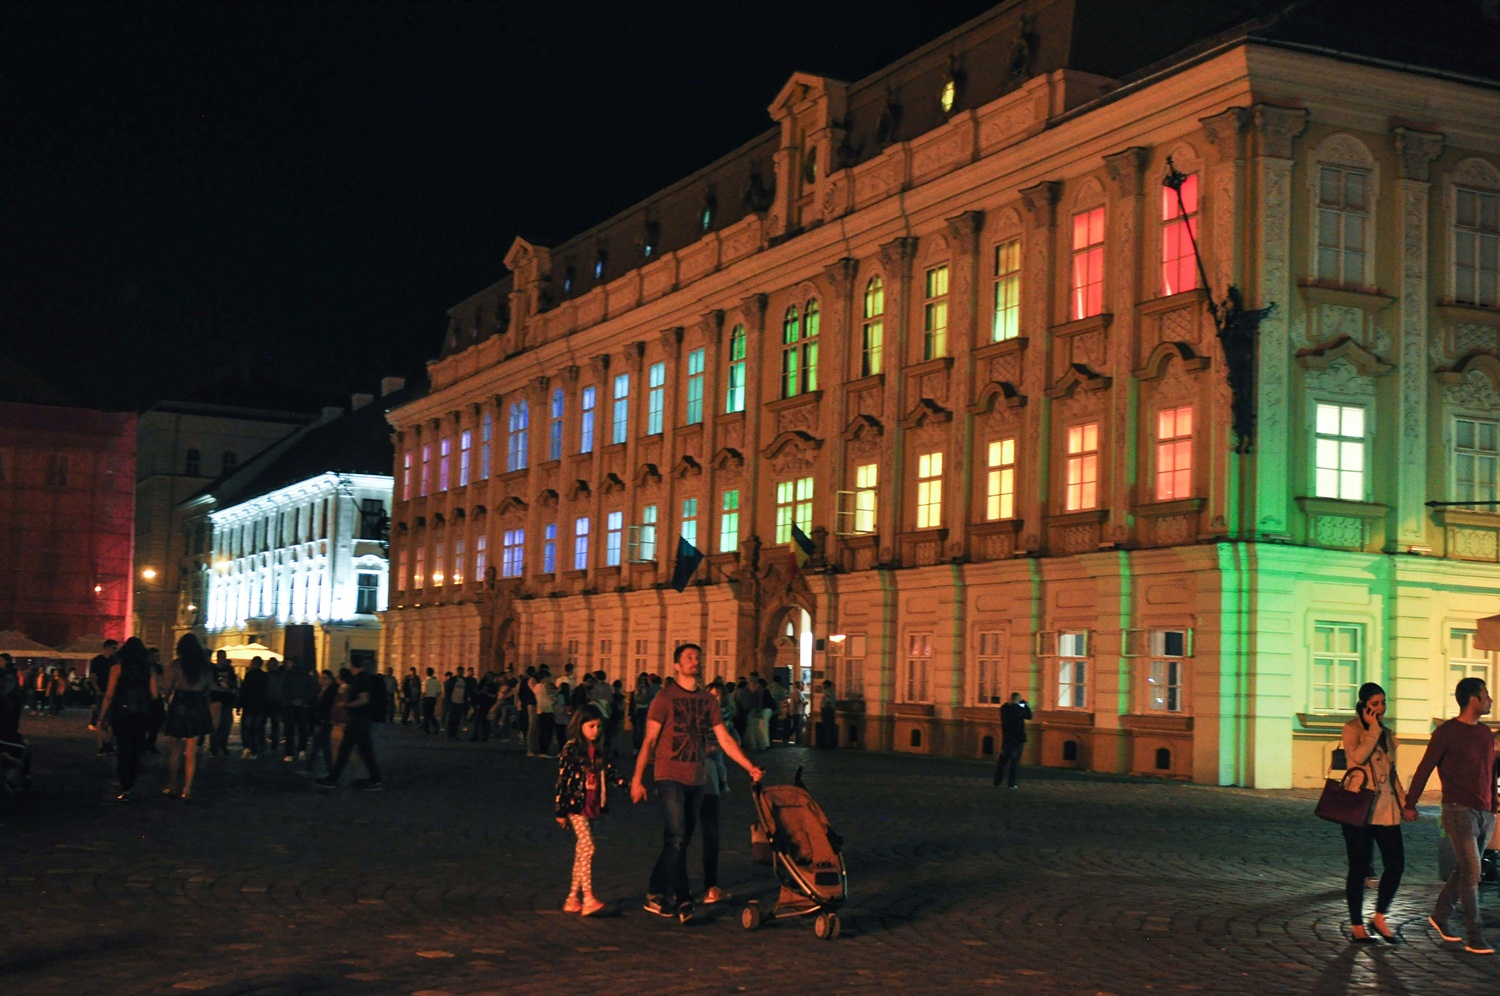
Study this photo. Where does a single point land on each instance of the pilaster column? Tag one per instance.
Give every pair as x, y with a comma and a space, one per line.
964, 231
754, 310
840, 341
1038, 294
1276, 129
897, 257
1415, 152
1127, 174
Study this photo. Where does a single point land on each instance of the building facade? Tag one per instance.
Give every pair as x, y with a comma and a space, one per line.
1120, 376
181, 447
290, 551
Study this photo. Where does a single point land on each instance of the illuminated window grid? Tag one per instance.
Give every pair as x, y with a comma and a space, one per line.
513, 553
690, 520
406, 476
465, 455
1476, 247
426, 478
549, 548
1165, 670
1336, 666
656, 398
1007, 320
873, 341
647, 549
555, 425
793, 505
586, 420
799, 353
866, 480
581, 544
445, 450
518, 436
614, 532
620, 419
401, 571
458, 562
695, 387
1072, 670
1174, 453
929, 490
1179, 265
935, 313
734, 392
419, 570
1087, 297
729, 521
1000, 480
439, 575
989, 668
1465, 660
916, 681
1476, 454
1343, 223
480, 561
1082, 468
486, 430
1339, 459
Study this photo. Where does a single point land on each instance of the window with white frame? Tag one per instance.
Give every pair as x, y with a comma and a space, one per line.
1007, 320
642, 657
793, 506
656, 398
518, 435
439, 564
1179, 227
690, 520
1082, 470
614, 532
606, 658
406, 476
929, 490
866, 481
1166, 669
1476, 457
718, 661
1466, 660
586, 419
426, 480
1476, 247
799, 350
1072, 669
695, 387
419, 570
445, 447
1339, 457
486, 430
401, 570
935, 313
458, 561
480, 555
1174, 453
916, 676
989, 668
581, 543
734, 381
549, 548
729, 521
1337, 665
1000, 480
555, 425
1343, 225
1087, 297
465, 447
620, 417
849, 675
872, 343
646, 546
513, 553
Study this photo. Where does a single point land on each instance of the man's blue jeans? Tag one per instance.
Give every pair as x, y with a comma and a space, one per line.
679, 810
1469, 830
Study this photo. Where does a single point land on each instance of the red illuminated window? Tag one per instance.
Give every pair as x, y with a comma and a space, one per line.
1179, 227
1174, 453
1087, 298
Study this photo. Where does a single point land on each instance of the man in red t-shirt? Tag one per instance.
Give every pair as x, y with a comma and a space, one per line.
1463, 750
687, 714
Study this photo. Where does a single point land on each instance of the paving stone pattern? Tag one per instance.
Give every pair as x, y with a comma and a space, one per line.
451, 881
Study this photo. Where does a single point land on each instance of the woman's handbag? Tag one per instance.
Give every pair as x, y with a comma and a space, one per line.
1341, 804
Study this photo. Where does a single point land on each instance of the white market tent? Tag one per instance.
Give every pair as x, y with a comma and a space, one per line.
83, 648
245, 651
20, 645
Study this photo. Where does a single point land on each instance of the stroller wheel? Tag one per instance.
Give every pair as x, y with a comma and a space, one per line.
826, 926
750, 916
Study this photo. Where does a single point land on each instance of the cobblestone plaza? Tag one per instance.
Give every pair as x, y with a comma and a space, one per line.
451, 880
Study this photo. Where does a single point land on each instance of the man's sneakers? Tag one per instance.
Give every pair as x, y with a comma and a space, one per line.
1443, 931
715, 895
1479, 946
657, 907
685, 912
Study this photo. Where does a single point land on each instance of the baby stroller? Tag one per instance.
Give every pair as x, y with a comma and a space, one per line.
791, 834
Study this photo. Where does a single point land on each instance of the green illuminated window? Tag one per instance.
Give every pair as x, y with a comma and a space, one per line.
1336, 666
874, 328
799, 353
866, 480
734, 394
1007, 291
729, 522
695, 387
1476, 454
1340, 452
793, 505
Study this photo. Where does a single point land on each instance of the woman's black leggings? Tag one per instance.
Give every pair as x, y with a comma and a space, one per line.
1360, 843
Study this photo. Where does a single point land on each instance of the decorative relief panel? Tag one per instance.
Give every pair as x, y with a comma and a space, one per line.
1474, 544
1075, 539
1182, 325
732, 434
792, 459
938, 156
800, 417
1342, 379
1474, 393
1467, 338
1006, 126
1174, 530
1339, 531
1006, 369
874, 181
995, 546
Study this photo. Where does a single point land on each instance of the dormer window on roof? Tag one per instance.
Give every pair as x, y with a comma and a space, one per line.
948, 95
568, 279
810, 165
650, 239
599, 261
706, 218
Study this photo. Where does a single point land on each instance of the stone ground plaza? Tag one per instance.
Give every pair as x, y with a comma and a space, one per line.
451, 880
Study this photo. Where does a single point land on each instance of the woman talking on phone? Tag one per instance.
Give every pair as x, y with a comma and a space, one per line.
1371, 747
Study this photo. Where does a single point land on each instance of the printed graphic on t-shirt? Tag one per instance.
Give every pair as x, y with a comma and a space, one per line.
689, 727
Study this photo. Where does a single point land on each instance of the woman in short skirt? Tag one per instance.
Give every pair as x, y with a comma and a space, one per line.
185, 687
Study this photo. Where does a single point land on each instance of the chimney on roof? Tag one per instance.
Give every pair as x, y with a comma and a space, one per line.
331, 412
390, 385
358, 401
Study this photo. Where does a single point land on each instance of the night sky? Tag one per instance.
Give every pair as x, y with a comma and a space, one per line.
198, 197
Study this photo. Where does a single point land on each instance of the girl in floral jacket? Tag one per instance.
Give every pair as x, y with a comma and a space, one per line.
582, 770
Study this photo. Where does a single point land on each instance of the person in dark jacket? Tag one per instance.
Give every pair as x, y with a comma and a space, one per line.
221, 696
299, 690
275, 701
253, 709
127, 702
1013, 717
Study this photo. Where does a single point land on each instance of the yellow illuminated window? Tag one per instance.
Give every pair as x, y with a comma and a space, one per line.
929, 490
1083, 467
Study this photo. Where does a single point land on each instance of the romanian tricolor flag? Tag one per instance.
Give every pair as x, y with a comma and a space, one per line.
800, 549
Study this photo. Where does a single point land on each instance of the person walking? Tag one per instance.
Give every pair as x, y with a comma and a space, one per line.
253, 709
185, 686
366, 705
275, 699
221, 698
458, 703
1013, 717
322, 723
584, 767
1370, 746
687, 714
431, 689
299, 690
127, 706
1463, 751
411, 698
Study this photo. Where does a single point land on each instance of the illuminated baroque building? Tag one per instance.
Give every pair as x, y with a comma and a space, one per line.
949, 322
290, 550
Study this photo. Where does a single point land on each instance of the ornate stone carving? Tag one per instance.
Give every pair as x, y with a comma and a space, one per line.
1415, 152
792, 459
1345, 532
671, 341
1468, 337
1226, 132
1127, 169
799, 417
896, 256
965, 229
1473, 393
712, 324
1474, 544
840, 274
1340, 378
1040, 203
1277, 128
1476, 172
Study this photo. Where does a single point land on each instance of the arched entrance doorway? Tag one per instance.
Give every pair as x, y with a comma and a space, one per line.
787, 652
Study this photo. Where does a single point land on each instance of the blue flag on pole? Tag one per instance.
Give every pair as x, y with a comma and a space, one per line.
688, 559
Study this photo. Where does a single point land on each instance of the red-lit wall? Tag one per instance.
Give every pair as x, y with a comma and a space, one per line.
65, 534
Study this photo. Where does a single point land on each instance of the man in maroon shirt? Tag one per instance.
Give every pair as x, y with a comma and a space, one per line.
1463, 750
687, 714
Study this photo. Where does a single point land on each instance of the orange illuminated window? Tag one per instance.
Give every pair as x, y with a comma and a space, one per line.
1087, 298
1083, 467
1179, 227
1174, 453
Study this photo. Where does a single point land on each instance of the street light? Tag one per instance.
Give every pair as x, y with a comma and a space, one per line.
149, 574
